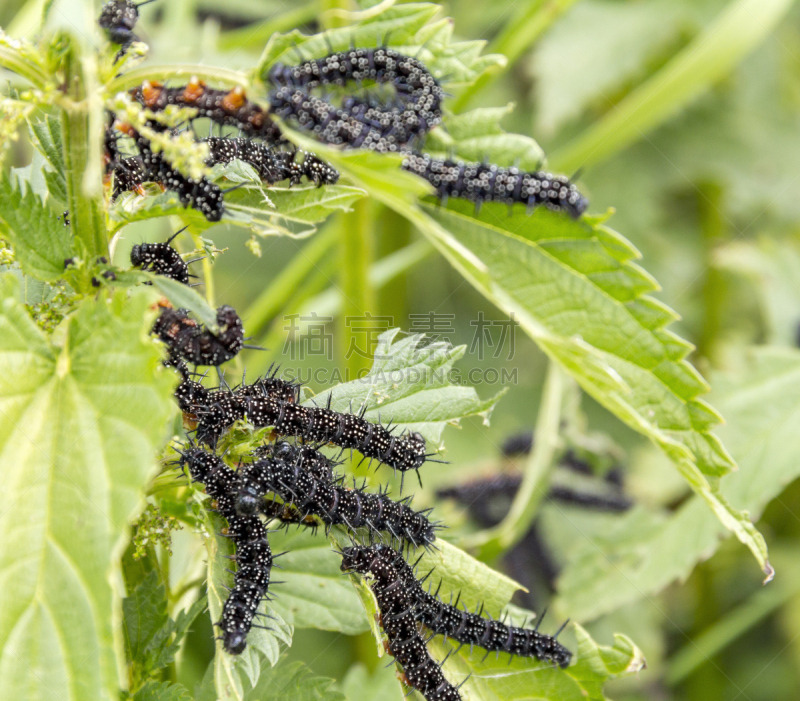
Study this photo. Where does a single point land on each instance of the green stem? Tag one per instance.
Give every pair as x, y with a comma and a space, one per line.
536, 481
519, 34
85, 211
358, 294
712, 225
731, 627
739, 28
331, 20
11, 59
264, 309
208, 73
251, 36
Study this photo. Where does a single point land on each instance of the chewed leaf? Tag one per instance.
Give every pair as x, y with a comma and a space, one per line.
409, 384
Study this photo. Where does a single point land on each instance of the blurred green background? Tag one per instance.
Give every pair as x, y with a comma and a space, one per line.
709, 195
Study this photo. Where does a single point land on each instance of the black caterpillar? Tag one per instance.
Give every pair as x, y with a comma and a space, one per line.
162, 259
118, 18
271, 165
484, 182
396, 607
188, 340
332, 502
200, 194
507, 485
315, 425
360, 123
460, 625
304, 456
253, 554
224, 107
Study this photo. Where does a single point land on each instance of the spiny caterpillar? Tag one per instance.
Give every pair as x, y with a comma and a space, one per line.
224, 107
162, 259
118, 18
253, 554
271, 165
461, 625
315, 425
484, 182
396, 607
188, 340
332, 502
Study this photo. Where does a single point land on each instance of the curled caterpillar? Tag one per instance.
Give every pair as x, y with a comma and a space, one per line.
360, 123
460, 625
162, 259
271, 165
404, 640
225, 107
333, 503
482, 182
188, 340
253, 554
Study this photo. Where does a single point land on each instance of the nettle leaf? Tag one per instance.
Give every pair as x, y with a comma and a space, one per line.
288, 211
82, 423
41, 241
566, 280
152, 638
410, 384
231, 673
473, 135
641, 552
295, 681
497, 679
408, 28
162, 691
315, 595
46, 135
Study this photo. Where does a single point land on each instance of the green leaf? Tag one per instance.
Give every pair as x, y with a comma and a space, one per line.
575, 290
152, 638
295, 681
231, 672
521, 679
315, 595
407, 28
41, 241
82, 422
380, 685
410, 385
640, 553
163, 691
477, 135
46, 136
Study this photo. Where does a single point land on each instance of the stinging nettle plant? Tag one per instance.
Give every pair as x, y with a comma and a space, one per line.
92, 489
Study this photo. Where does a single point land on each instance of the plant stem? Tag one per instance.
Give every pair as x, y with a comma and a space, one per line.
739, 28
332, 20
358, 294
251, 36
85, 210
712, 225
263, 310
519, 34
536, 481
208, 73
